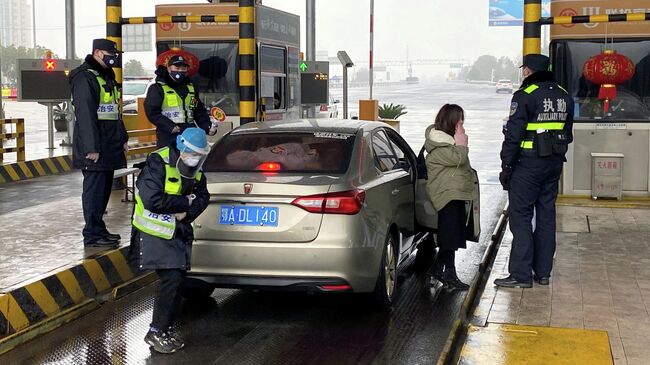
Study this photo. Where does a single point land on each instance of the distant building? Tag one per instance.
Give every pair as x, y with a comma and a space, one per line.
15, 23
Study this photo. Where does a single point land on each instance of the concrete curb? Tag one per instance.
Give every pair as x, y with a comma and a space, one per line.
459, 328
41, 305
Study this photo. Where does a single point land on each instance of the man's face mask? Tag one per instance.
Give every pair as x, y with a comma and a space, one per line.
178, 76
110, 60
191, 160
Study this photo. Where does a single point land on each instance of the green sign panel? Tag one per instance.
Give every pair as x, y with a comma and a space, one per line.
303, 66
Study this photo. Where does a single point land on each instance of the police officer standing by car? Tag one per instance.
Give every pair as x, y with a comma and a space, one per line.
100, 138
171, 192
537, 136
172, 103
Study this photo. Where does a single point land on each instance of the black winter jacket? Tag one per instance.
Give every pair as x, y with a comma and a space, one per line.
107, 137
525, 108
158, 253
153, 108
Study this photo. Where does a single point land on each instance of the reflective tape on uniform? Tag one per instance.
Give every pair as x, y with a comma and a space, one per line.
549, 126
527, 145
154, 228
531, 88
108, 111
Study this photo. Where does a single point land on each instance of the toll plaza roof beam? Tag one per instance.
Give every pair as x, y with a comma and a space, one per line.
215, 18
610, 18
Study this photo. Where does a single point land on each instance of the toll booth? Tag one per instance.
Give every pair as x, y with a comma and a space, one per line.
623, 126
216, 45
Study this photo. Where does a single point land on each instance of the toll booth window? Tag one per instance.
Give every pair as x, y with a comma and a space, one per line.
273, 61
217, 79
632, 102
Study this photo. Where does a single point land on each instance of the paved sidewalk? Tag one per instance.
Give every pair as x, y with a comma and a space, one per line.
41, 226
600, 281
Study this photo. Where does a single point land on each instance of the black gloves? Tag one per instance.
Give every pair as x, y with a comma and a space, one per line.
504, 177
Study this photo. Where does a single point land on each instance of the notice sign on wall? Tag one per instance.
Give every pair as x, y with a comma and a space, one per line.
511, 12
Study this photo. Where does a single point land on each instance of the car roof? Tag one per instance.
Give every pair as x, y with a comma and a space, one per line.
308, 125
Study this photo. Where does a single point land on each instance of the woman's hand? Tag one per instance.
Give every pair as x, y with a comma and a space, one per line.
460, 137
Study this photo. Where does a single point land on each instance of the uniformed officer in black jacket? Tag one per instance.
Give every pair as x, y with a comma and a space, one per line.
532, 156
172, 103
100, 138
171, 192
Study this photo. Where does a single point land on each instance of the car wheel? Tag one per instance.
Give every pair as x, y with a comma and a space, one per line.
386, 286
425, 255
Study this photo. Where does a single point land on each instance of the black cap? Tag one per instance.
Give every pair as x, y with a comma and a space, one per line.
536, 62
177, 60
105, 45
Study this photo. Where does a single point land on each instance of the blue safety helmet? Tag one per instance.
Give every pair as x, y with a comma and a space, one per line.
193, 139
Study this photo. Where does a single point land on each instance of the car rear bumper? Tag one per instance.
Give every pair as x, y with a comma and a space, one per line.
301, 266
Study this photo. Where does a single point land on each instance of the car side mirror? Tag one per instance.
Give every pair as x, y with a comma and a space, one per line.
337, 101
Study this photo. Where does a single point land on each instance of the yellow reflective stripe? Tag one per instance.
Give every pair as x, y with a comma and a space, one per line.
527, 145
549, 126
152, 228
172, 187
531, 88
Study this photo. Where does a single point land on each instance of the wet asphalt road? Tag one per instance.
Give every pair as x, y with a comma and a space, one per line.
245, 327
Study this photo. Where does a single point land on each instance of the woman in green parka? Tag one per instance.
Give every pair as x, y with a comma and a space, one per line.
450, 185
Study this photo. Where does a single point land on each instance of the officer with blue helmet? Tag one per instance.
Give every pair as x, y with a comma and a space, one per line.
171, 192
536, 139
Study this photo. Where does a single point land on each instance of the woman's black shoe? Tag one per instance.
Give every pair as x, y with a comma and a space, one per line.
452, 281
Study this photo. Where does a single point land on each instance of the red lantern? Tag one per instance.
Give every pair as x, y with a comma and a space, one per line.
608, 69
191, 59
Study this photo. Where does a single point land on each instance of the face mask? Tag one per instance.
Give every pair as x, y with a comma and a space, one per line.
110, 60
177, 76
192, 161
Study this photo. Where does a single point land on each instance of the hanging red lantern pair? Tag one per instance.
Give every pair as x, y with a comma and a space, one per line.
608, 69
191, 59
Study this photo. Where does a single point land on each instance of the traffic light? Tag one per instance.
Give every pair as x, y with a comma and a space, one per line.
49, 64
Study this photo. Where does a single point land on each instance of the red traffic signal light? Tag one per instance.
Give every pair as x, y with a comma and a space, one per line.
50, 65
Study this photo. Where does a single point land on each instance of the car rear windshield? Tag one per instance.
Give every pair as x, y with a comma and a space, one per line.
316, 152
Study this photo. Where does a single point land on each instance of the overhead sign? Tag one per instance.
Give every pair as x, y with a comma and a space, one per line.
314, 82
511, 12
277, 26
44, 80
600, 30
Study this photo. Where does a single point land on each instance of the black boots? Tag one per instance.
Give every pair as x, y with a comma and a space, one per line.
446, 274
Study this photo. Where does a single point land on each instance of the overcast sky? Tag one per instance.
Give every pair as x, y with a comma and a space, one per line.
429, 28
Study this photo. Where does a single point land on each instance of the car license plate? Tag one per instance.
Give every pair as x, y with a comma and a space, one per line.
244, 215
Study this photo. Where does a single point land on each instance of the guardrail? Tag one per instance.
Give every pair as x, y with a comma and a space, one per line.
141, 149
17, 133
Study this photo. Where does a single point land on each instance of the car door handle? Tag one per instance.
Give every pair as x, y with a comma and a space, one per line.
395, 192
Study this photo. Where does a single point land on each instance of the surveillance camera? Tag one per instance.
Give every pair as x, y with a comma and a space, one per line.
346, 61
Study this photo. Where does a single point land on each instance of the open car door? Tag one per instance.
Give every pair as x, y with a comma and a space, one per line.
473, 210
425, 215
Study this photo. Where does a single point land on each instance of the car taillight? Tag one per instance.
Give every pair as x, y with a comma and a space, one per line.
345, 202
323, 107
342, 287
269, 167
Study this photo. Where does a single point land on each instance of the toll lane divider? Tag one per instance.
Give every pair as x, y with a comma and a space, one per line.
36, 168
20, 171
41, 305
459, 328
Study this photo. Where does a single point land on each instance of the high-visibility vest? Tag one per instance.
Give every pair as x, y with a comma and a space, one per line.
108, 108
160, 225
531, 127
176, 108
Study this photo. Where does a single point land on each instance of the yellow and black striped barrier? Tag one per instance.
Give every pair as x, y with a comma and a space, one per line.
25, 308
610, 18
216, 18
247, 72
533, 22
30, 169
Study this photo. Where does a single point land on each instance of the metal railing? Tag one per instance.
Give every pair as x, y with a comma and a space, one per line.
17, 133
